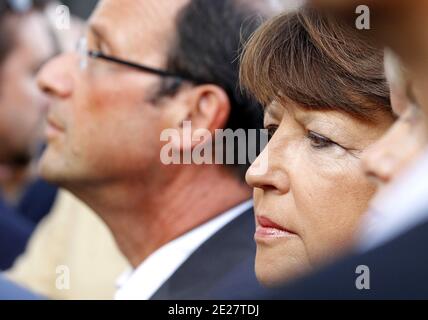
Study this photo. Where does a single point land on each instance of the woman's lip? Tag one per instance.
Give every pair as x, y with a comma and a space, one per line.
267, 223
268, 229
263, 232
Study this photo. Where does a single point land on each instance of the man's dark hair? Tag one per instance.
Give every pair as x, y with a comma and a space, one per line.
208, 40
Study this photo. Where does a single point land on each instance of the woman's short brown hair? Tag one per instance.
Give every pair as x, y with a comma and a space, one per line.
318, 62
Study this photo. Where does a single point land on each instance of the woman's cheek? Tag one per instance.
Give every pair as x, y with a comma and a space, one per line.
329, 225
257, 196
332, 196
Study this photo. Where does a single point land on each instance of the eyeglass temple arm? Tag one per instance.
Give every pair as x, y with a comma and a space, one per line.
161, 73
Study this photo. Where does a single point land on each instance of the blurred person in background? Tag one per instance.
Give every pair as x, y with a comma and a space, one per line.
26, 43
387, 162
71, 236
181, 227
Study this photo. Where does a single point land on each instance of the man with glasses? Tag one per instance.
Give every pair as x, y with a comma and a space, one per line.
144, 67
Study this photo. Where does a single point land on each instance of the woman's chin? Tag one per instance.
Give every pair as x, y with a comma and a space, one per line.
271, 275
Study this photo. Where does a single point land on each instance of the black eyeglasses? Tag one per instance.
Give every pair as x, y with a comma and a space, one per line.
84, 54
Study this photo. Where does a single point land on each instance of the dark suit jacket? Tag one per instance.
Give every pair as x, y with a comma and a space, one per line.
398, 270
14, 233
17, 223
226, 258
37, 201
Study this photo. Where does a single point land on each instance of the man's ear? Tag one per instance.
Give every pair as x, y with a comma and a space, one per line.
208, 109
211, 108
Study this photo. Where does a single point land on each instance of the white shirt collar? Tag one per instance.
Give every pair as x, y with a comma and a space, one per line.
143, 282
400, 207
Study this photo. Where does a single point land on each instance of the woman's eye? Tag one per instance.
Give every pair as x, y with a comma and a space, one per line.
271, 131
320, 142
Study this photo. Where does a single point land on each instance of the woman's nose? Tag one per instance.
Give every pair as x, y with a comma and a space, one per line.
257, 174
267, 173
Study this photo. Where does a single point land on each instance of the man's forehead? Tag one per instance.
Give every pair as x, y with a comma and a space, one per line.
156, 13
136, 25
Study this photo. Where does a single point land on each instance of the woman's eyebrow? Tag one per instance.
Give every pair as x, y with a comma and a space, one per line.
271, 107
336, 126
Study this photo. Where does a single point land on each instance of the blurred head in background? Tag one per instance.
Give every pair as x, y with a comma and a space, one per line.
26, 44
326, 101
407, 138
391, 161
400, 25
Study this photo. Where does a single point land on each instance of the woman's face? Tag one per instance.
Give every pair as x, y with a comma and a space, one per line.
311, 197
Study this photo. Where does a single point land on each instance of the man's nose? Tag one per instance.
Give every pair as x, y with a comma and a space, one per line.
55, 78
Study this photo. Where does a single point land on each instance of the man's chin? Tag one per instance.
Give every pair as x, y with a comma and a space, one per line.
51, 170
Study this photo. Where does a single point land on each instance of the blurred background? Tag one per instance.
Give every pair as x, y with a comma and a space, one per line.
29, 206
81, 8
